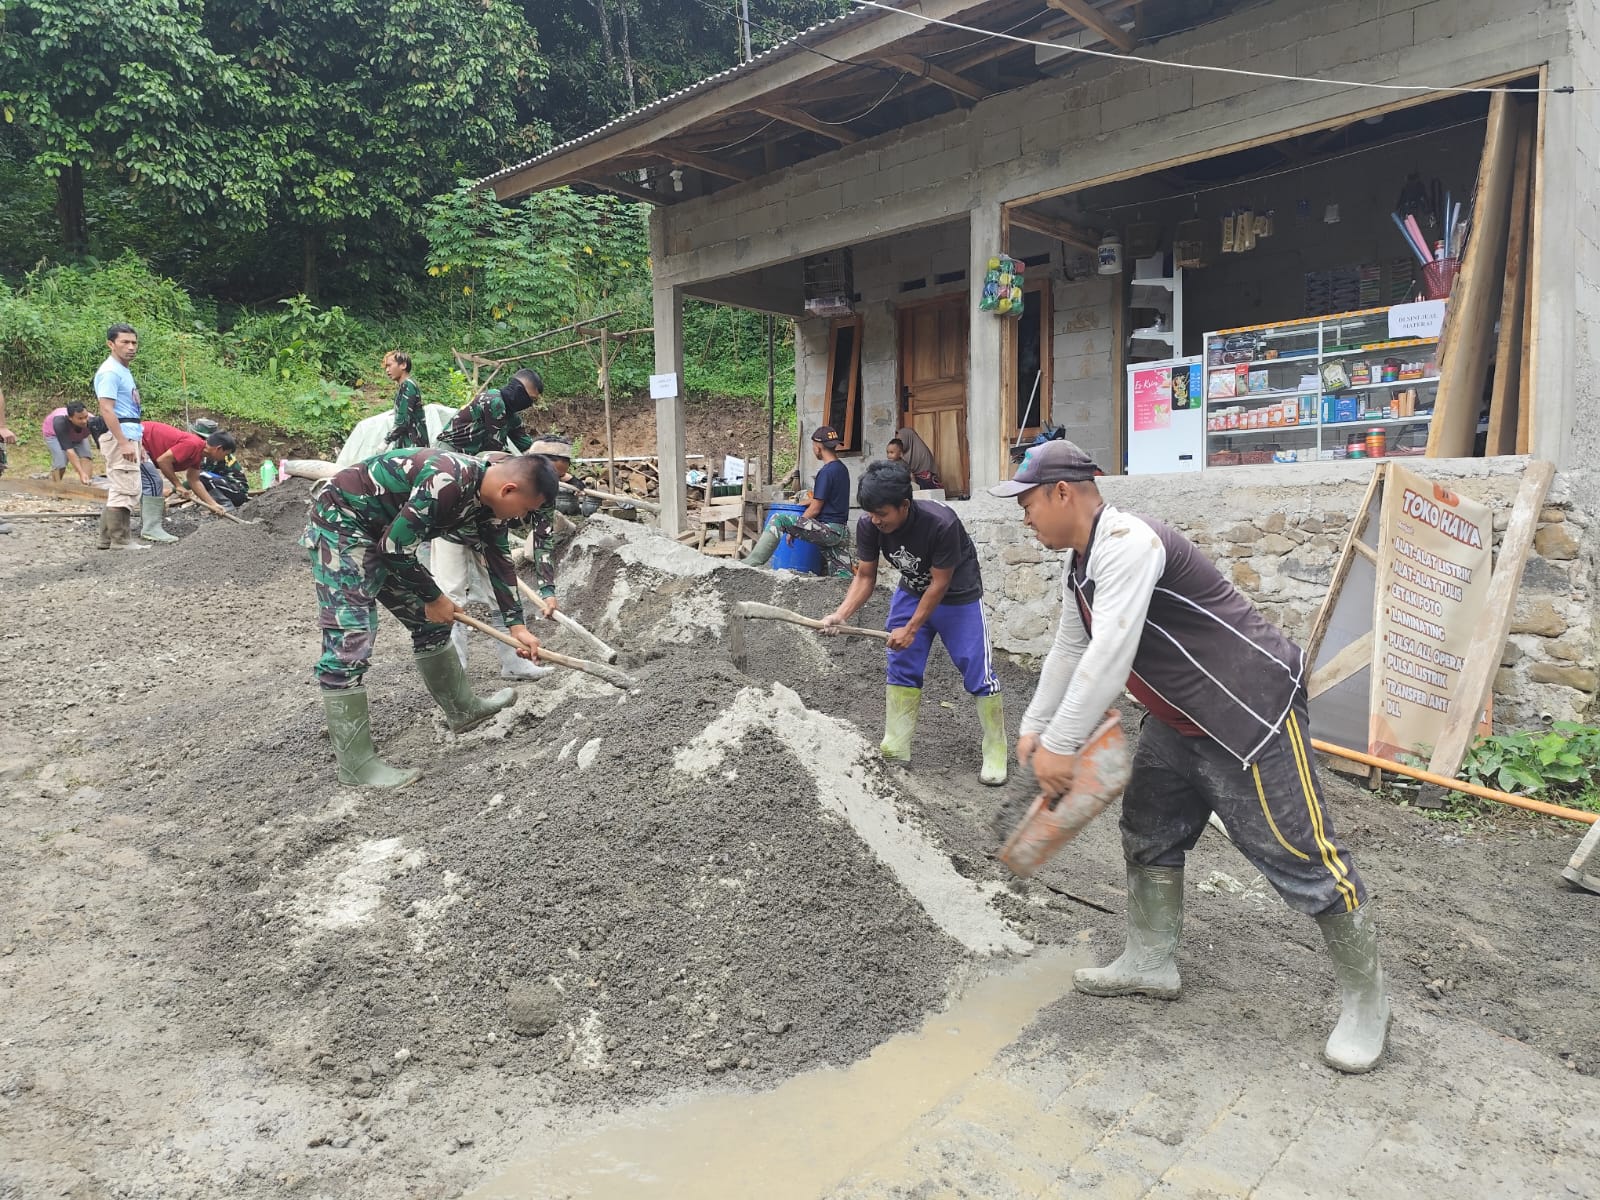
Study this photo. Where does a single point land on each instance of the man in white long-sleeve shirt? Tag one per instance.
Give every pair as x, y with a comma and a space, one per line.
1226, 732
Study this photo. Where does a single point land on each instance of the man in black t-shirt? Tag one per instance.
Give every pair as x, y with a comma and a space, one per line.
940, 592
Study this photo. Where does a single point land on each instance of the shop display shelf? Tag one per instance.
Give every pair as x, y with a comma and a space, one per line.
1270, 431
1421, 418
1393, 383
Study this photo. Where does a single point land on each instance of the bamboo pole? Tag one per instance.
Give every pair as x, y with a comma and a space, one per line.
605, 391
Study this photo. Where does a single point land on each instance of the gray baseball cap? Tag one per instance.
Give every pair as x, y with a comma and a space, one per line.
1049, 462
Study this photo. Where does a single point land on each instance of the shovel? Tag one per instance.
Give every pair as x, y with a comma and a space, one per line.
611, 675
1104, 764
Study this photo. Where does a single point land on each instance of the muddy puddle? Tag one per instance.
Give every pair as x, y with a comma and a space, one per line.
803, 1138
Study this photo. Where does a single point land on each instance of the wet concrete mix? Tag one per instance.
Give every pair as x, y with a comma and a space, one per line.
595, 898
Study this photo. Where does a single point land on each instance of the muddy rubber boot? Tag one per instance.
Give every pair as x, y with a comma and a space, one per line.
104, 530
900, 708
992, 716
151, 510
447, 683
761, 553
350, 731
1148, 965
122, 530
513, 665
1356, 1043
458, 639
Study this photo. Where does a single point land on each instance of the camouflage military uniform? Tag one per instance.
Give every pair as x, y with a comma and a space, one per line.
484, 425
410, 420
363, 537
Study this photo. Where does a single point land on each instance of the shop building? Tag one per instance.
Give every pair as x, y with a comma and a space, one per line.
862, 177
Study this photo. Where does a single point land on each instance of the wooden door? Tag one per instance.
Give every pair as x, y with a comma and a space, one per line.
933, 383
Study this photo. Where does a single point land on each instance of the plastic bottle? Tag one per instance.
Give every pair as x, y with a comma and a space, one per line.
269, 474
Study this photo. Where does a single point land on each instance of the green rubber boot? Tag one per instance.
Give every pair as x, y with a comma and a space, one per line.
1148, 965
447, 683
992, 717
1357, 1041
900, 708
151, 510
351, 734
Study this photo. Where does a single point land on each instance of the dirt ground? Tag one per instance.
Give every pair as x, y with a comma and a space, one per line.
222, 974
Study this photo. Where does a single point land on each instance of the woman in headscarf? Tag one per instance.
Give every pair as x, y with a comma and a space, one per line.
909, 448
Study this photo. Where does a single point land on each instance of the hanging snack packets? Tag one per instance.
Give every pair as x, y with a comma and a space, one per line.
1002, 286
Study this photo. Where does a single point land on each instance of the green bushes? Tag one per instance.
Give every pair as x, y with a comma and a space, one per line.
517, 272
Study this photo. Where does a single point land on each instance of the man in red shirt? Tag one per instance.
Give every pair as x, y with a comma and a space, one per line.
172, 450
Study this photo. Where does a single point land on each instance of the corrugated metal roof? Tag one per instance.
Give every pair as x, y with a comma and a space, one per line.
796, 45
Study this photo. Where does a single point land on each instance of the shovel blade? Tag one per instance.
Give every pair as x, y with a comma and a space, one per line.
1103, 767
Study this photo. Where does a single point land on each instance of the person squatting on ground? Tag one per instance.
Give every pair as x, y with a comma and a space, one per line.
66, 434
940, 592
410, 418
825, 521
1225, 731
366, 528
487, 425
118, 397
6, 437
224, 477
169, 450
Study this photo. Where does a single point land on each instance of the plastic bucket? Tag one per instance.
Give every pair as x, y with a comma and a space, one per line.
793, 554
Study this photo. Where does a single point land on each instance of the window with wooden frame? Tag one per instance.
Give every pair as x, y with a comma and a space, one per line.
844, 381
1028, 404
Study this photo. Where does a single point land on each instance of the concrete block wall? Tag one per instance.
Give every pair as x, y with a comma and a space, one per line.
1581, 427
1082, 388
1276, 533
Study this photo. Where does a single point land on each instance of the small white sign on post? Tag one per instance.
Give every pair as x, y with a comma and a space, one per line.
1424, 319
664, 387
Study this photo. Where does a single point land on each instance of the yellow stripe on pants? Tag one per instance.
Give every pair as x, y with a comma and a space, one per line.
1330, 856
1261, 794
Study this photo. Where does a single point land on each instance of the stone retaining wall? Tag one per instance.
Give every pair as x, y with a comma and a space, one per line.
1277, 531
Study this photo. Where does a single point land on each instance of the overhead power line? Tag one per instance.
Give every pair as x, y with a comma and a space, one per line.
1413, 88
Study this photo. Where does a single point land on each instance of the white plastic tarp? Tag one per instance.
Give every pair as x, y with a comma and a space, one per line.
366, 439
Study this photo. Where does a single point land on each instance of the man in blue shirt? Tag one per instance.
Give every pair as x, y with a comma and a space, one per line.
825, 519
118, 396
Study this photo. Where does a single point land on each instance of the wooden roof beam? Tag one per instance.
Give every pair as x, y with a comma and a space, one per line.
935, 74
628, 191
1054, 227
1091, 18
708, 164
804, 120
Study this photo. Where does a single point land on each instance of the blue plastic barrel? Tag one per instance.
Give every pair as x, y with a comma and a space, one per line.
794, 555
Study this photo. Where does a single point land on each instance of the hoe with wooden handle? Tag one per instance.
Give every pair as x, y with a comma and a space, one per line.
611, 675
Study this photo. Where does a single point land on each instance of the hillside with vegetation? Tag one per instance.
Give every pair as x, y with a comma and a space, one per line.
275, 195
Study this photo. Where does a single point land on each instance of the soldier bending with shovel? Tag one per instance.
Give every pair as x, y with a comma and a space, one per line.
365, 530
1226, 732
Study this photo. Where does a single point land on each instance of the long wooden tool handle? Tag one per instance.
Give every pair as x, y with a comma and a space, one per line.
607, 654
771, 612
611, 675
647, 505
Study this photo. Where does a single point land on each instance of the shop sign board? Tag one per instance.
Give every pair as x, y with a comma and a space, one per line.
1433, 568
1152, 399
1424, 319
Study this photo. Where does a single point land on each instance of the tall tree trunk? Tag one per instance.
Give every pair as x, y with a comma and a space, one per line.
605, 33
69, 210
627, 55
310, 242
